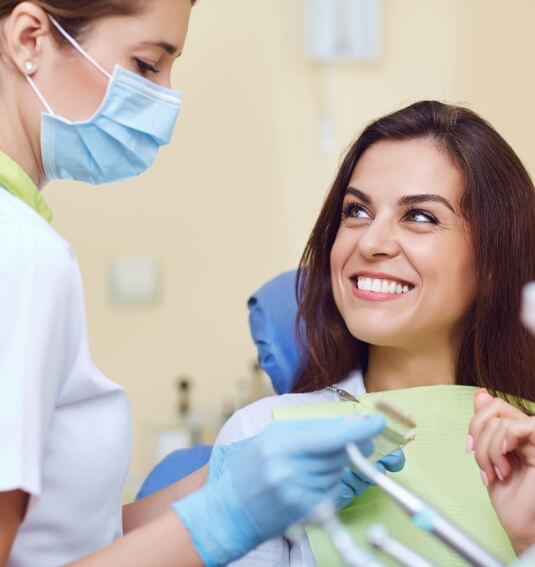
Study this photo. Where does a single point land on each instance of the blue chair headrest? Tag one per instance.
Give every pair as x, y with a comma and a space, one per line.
272, 321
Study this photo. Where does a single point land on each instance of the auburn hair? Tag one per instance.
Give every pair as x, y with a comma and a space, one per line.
498, 203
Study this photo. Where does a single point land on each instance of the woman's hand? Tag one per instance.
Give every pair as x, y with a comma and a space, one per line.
503, 440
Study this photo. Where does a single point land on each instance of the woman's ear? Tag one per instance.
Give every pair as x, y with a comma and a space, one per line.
26, 31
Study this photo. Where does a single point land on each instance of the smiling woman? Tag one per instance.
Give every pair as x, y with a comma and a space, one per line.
430, 198
411, 278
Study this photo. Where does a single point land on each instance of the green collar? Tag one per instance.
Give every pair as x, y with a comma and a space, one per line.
18, 183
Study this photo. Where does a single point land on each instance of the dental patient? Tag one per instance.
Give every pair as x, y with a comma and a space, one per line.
414, 272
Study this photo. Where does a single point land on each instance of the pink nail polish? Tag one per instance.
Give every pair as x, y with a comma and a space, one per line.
469, 444
484, 478
504, 447
498, 472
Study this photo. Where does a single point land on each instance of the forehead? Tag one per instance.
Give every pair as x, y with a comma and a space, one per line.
158, 20
392, 169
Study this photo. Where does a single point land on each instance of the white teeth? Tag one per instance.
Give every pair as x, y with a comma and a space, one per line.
381, 286
376, 285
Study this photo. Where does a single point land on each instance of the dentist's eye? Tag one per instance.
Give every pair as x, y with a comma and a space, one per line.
419, 216
354, 211
145, 68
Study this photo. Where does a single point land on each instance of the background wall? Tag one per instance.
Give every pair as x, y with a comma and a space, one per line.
230, 203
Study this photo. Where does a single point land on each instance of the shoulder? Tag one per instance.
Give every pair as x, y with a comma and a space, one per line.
29, 246
255, 417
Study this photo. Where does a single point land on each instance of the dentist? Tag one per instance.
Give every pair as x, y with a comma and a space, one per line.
84, 95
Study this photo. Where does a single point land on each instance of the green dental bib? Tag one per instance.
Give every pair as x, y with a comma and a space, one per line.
437, 469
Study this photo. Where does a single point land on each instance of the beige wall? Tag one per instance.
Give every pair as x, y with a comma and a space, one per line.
231, 202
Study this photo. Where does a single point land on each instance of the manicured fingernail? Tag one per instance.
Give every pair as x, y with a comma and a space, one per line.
504, 447
469, 444
484, 478
498, 473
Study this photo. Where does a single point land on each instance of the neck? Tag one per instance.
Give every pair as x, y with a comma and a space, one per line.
15, 140
392, 368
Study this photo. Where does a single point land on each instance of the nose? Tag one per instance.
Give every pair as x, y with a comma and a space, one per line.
379, 240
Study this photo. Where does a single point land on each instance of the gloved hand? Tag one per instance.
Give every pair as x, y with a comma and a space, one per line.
355, 483
272, 481
351, 484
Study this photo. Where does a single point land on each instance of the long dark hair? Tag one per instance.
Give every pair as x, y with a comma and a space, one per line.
499, 205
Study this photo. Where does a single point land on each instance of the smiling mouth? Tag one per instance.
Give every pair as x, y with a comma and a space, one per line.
383, 286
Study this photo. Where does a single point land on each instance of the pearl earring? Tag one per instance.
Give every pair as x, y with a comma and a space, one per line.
29, 66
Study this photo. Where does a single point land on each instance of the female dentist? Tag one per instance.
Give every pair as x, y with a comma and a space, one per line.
84, 94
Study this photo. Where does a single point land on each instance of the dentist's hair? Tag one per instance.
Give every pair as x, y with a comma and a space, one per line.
499, 205
76, 16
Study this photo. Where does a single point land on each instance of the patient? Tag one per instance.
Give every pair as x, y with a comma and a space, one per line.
413, 272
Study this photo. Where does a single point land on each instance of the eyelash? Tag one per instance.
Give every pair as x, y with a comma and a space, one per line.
346, 212
144, 67
432, 219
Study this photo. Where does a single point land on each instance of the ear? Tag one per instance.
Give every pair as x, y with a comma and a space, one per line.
26, 31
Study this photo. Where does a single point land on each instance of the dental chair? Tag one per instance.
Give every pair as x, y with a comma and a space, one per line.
272, 316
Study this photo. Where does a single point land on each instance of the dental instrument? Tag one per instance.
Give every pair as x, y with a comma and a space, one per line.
423, 515
379, 538
354, 556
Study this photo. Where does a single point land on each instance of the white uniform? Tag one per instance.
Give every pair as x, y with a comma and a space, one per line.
252, 420
64, 428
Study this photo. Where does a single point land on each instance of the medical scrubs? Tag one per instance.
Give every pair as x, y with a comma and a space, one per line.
65, 431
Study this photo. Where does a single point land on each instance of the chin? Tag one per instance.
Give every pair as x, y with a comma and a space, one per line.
378, 334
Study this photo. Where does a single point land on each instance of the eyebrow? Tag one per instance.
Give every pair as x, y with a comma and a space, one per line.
404, 201
167, 47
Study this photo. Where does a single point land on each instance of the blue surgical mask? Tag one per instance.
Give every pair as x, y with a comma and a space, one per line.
120, 140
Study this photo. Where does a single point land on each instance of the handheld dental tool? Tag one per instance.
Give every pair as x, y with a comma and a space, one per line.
379, 538
423, 515
354, 556
400, 427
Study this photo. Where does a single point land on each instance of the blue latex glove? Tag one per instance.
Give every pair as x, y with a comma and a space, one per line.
261, 486
354, 484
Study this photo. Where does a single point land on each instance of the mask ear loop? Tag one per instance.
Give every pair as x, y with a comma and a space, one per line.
79, 48
39, 94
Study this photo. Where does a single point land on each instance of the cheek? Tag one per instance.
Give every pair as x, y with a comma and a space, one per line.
449, 279
77, 89
342, 249
341, 252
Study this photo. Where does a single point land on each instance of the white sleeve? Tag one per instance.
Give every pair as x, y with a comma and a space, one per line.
246, 423
36, 275
251, 420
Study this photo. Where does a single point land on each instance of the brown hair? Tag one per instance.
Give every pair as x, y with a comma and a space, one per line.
499, 204
76, 16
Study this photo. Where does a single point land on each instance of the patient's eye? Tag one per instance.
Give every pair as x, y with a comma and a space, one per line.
353, 210
419, 216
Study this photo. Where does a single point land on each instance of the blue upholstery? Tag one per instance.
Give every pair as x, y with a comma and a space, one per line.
175, 466
272, 314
